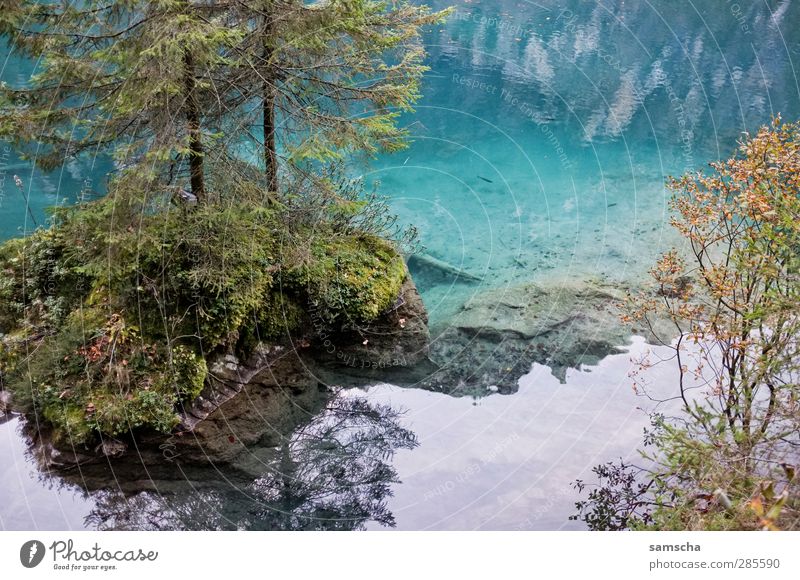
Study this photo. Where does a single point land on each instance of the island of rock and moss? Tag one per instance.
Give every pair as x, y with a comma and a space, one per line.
136, 318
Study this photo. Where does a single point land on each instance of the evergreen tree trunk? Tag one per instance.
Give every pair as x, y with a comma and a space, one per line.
196, 171
270, 151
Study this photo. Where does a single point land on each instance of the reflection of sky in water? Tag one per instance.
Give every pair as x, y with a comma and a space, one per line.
28, 501
503, 462
507, 462
540, 150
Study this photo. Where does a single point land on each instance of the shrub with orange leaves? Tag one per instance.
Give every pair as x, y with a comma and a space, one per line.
732, 296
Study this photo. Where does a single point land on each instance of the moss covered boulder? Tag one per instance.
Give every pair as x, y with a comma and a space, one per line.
108, 331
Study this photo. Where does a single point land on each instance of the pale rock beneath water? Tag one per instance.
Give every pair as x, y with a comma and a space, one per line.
580, 313
499, 334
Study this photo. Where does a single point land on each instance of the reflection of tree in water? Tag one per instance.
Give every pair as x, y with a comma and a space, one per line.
333, 473
192, 510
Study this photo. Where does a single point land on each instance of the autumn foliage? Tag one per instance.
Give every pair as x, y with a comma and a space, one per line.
729, 296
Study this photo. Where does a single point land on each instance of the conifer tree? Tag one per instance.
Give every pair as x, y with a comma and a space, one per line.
166, 85
329, 78
126, 77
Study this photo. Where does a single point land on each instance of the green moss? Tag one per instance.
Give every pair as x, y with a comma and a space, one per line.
97, 376
118, 414
115, 322
188, 374
351, 279
278, 316
69, 423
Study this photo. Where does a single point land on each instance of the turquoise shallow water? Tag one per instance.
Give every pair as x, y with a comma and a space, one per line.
577, 113
540, 150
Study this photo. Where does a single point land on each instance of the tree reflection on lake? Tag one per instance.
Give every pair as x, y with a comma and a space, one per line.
333, 473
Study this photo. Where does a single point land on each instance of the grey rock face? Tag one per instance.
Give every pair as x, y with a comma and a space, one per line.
246, 402
279, 386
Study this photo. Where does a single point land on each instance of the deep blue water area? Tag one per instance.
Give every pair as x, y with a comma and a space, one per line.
547, 129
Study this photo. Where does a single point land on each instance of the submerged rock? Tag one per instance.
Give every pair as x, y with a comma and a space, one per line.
430, 271
499, 334
495, 338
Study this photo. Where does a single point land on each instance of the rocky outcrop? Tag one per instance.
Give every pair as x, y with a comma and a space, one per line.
394, 347
228, 376
492, 341
259, 398
247, 402
279, 386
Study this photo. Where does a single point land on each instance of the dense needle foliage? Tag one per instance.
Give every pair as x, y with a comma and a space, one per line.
224, 223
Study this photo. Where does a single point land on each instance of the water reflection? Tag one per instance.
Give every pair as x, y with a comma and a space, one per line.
334, 473
576, 113
729, 65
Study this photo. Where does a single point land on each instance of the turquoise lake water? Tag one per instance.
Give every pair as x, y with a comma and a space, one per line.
577, 113
540, 151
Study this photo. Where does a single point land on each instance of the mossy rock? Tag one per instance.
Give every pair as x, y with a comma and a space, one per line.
277, 318
98, 376
70, 426
94, 304
115, 414
186, 376
350, 279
